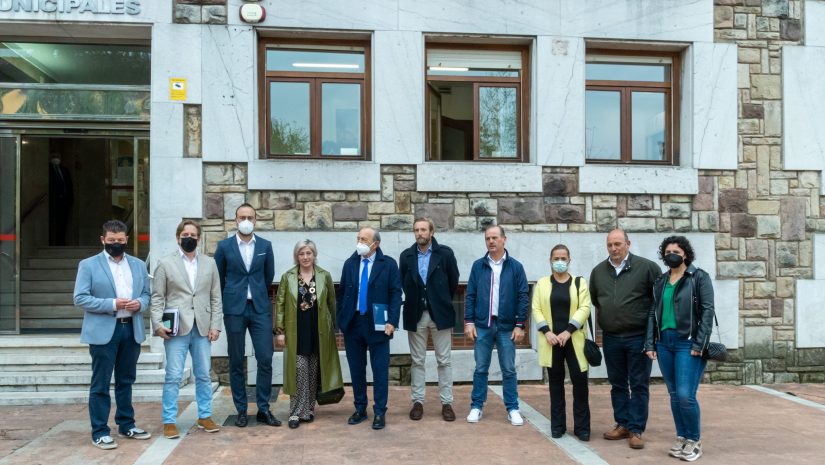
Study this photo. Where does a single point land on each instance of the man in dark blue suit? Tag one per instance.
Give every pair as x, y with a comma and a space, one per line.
246, 266
370, 295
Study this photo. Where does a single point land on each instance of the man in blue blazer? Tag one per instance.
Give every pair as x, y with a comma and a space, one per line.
370, 295
112, 289
246, 266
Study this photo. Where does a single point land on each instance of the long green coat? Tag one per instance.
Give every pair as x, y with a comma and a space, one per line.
286, 320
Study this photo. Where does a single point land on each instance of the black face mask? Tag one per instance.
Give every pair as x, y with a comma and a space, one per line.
188, 244
673, 260
114, 249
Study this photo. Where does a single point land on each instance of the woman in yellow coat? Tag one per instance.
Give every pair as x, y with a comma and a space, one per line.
561, 306
305, 323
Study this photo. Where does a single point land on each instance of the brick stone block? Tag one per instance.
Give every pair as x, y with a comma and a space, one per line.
753, 110
767, 226
231, 202
743, 269
278, 200
733, 200
521, 210
742, 225
792, 215
354, 211
289, 220
564, 213
560, 184
187, 14
638, 224
483, 207
442, 214
318, 215
397, 222
703, 202
465, 223
787, 254
758, 342
640, 202
213, 14
214, 206
676, 210
766, 86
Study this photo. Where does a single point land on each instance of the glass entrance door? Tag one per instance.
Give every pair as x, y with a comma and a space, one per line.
9, 234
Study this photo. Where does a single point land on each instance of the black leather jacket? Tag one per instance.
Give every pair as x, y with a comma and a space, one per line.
692, 306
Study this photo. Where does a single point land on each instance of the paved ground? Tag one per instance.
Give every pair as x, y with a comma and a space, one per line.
741, 425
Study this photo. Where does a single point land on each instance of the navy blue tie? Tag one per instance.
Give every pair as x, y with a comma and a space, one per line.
362, 290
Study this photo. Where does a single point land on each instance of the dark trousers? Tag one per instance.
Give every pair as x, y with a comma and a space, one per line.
260, 331
357, 341
119, 355
628, 370
581, 406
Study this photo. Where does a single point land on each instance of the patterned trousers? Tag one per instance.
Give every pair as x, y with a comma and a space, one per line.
302, 404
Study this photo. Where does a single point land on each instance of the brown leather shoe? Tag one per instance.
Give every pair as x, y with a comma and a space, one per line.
447, 412
417, 411
170, 431
635, 441
618, 432
208, 425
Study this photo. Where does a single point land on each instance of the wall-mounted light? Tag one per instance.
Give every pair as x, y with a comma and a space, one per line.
447, 68
326, 65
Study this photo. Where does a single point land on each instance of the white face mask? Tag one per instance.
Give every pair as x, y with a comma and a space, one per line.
246, 227
362, 248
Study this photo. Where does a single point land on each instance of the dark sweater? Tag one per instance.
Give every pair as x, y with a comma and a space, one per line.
623, 301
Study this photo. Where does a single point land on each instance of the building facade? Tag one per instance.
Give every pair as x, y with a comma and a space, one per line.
558, 120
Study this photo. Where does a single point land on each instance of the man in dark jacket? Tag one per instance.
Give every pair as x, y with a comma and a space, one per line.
495, 311
369, 307
621, 288
429, 276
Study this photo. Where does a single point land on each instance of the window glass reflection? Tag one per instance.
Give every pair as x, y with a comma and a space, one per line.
648, 115
289, 115
498, 125
603, 125
341, 119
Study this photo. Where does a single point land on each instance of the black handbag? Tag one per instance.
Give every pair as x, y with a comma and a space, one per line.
715, 350
591, 350
330, 397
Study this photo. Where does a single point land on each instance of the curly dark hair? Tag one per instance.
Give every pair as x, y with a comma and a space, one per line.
683, 244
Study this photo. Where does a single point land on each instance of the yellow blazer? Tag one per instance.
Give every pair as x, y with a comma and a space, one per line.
579, 311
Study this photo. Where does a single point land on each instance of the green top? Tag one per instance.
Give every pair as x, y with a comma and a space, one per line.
668, 318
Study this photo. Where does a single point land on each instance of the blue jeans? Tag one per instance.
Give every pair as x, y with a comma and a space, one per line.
483, 352
682, 373
628, 370
119, 355
176, 349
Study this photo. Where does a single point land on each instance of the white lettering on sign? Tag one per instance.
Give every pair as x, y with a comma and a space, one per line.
117, 7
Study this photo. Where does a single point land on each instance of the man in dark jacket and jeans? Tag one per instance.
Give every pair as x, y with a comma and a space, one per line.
495, 313
621, 288
429, 277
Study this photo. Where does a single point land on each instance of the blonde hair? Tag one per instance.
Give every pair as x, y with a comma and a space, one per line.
300, 245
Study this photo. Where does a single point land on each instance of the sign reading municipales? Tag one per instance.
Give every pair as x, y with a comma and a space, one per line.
116, 7
177, 89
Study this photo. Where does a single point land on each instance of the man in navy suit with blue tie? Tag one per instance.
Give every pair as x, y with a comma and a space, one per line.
112, 289
246, 266
370, 295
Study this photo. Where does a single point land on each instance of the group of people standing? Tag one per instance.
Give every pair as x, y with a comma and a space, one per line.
644, 315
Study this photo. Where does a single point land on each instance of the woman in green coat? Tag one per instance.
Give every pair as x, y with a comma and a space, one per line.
305, 316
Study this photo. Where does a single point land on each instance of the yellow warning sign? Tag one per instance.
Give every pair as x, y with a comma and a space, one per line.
177, 89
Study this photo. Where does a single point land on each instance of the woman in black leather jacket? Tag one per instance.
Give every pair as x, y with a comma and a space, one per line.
678, 330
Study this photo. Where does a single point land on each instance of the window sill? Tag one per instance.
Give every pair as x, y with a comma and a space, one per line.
478, 177
319, 175
612, 179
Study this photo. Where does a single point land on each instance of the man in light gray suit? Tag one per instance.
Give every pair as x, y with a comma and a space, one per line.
112, 288
189, 282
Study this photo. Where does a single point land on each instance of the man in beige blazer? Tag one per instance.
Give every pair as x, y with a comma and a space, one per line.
189, 282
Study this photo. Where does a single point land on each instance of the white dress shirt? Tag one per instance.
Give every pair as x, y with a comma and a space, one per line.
495, 277
247, 253
191, 267
621, 265
123, 282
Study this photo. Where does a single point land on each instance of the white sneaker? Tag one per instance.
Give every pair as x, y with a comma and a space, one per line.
676, 448
104, 442
692, 451
515, 418
474, 416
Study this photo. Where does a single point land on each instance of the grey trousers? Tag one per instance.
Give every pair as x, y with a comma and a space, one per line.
442, 342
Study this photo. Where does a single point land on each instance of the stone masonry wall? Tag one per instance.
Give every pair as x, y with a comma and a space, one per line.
763, 216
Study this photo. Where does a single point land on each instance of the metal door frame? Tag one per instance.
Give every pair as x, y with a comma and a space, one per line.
136, 132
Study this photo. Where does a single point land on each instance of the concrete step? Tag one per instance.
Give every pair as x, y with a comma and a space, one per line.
69, 324
50, 311
51, 263
47, 286
46, 298
80, 397
36, 274
68, 362
57, 344
74, 380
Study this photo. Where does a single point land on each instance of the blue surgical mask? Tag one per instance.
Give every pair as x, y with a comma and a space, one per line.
559, 266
